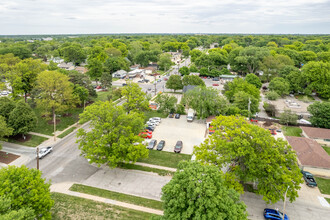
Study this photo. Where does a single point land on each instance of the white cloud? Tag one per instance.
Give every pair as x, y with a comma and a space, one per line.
164, 16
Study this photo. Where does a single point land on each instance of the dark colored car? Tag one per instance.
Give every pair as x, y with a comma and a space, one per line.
177, 116
124, 84
150, 128
152, 144
178, 147
171, 115
161, 145
309, 179
215, 79
274, 214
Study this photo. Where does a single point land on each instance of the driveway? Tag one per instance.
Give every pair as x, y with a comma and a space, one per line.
171, 130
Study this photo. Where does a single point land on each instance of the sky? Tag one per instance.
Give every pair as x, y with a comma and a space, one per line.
164, 16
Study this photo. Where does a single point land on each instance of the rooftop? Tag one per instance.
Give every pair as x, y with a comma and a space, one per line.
311, 132
309, 152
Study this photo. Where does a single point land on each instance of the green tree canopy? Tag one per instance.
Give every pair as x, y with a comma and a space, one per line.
6, 106
280, 85
249, 153
114, 136
320, 114
254, 80
4, 129
22, 119
165, 61
166, 102
174, 82
317, 77
199, 192
206, 101
26, 189
7, 213
135, 99
73, 53
192, 80
238, 84
288, 117
242, 99
184, 71
250, 58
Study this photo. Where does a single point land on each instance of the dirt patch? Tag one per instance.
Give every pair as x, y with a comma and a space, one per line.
7, 158
20, 138
268, 123
67, 115
51, 122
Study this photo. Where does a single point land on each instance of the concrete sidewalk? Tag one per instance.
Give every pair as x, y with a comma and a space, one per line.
156, 166
64, 188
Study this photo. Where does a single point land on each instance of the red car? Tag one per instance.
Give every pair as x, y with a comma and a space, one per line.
145, 135
147, 131
215, 84
211, 130
272, 131
254, 120
98, 87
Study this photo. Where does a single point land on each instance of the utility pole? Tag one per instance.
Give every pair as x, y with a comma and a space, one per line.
249, 107
54, 126
155, 85
37, 158
285, 201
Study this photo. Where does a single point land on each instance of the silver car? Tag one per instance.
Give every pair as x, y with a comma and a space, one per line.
44, 151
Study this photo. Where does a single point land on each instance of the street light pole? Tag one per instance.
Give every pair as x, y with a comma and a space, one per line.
285, 201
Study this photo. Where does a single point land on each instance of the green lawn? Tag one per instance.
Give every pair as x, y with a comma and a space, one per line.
65, 133
146, 169
166, 159
303, 98
33, 142
328, 200
72, 207
103, 96
292, 131
117, 196
44, 128
323, 184
327, 149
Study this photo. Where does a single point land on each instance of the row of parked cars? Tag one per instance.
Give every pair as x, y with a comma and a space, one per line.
5, 93
177, 148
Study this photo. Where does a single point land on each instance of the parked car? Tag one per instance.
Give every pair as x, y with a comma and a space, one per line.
171, 115
156, 118
146, 80
161, 145
44, 151
216, 79
150, 128
4, 93
273, 214
178, 147
152, 144
98, 87
124, 84
254, 120
141, 81
177, 116
309, 179
145, 135
149, 89
211, 130
148, 131
272, 131
215, 84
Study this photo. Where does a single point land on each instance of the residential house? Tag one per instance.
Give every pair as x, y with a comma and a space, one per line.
119, 74
320, 135
149, 70
81, 69
66, 66
214, 45
311, 156
134, 73
134, 67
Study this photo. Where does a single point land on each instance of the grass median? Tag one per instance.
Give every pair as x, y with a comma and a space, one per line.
166, 159
72, 207
146, 169
65, 133
117, 196
292, 131
323, 185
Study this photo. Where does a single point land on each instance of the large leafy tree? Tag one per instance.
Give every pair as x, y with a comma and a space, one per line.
251, 154
24, 75
199, 192
166, 102
317, 78
174, 82
7, 213
238, 84
6, 106
73, 53
254, 80
280, 85
135, 98
320, 114
242, 100
112, 64
250, 58
165, 61
184, 71
113, 138
22, 119
56, 93
288, 117
192, 80
205, 101
82, 80
26, 189
4, 129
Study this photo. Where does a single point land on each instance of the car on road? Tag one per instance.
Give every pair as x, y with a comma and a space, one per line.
44, 151
154, 122
161, 145
309, 179
216, 79
145, 135
171, 115
141, 81
146, 80
178, 147
215, 84
124, 84
151, 123
274, 214
149, 89
177, 116
152, 144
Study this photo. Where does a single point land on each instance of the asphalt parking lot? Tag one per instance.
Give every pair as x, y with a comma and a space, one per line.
172, 130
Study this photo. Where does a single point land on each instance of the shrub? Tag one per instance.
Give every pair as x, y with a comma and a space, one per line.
272, 95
